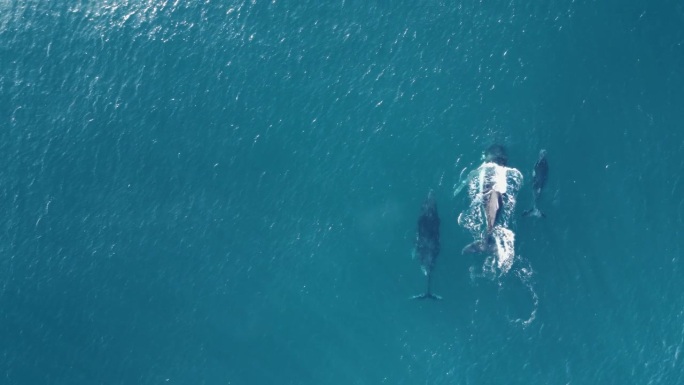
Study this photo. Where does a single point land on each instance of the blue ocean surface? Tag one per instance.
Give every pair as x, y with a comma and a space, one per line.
226, 192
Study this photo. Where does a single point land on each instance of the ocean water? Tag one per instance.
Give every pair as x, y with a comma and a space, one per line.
226, 192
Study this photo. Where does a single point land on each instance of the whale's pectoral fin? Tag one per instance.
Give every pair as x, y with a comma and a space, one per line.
480, 247
473, 248
534, 212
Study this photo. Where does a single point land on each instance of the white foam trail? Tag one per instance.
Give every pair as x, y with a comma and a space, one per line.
525, 275
521, 279
500, 262
507, 181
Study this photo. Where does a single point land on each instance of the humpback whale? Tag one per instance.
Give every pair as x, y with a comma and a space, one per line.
540, 173
427, 246
492, 190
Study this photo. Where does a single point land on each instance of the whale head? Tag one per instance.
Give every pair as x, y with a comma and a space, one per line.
496, 153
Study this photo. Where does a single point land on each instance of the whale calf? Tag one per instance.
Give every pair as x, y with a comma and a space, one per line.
540, 173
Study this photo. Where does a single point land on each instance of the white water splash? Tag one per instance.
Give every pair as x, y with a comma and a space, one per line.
522, 278
505, 248
507, 181
525, 275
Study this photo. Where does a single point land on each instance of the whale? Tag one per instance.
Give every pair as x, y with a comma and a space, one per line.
540, 174
491, 198
427, 247
492, 204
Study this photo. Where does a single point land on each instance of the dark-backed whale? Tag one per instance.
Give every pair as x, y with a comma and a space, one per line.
540, 173
427, 246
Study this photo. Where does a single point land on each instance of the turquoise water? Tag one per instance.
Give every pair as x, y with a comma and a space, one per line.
227, 192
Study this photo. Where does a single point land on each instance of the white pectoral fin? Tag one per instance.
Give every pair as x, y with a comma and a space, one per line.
492, 208
464, 182
460, 187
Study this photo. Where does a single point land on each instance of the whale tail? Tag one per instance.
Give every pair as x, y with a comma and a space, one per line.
534, 212
427, 295
474, 248
479, 247
428, 292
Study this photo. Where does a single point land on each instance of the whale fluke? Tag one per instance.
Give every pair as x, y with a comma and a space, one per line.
534, 212
428, 292
426, 296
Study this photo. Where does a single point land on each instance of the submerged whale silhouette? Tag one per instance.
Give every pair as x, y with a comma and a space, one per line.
540, 173
427, 245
